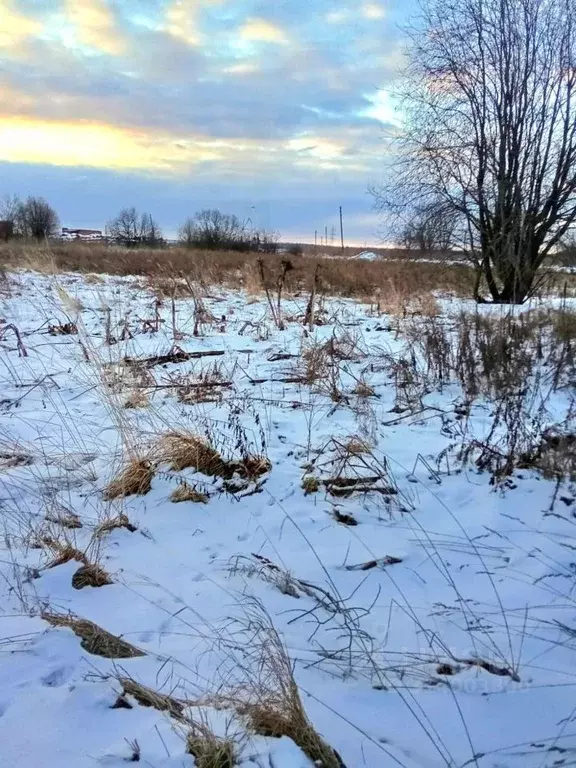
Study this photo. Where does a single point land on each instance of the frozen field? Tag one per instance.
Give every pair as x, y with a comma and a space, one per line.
237, 503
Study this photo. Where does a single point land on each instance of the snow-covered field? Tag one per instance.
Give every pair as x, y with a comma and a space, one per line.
429, 615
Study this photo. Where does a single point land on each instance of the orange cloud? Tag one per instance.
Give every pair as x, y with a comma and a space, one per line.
262, 31
15, 27
93, 144
97, 145
95, 25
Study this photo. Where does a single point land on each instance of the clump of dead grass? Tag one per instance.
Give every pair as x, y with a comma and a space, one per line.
137, 399
310, 484
185, 492
90, 575
270, 704
62, 552
65, 518
94, 638
183, 451
112, 523
554, 455
148, 697
134, 479
363, 389
209, 750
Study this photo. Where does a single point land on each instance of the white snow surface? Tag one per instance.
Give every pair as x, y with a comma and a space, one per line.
485, 573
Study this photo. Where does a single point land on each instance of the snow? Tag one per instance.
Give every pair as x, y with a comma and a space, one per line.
366, 256
485, 573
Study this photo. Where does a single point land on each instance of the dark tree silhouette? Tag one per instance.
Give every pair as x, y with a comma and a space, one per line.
131, 229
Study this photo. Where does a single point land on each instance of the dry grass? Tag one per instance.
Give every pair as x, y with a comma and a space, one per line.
94, 639
340, 276
62, 552
137, 399
65, 518
310, 484
90, 576
209, 750
112, 523
135, 479
270, 704
185, 492
184, 451
147, 697
181, 451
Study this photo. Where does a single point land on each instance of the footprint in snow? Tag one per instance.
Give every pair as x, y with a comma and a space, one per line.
56, 678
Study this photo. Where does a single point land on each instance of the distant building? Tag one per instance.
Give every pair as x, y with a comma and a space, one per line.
81, 234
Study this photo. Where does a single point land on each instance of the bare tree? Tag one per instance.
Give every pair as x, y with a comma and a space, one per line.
35, 218
431, 228
131, 229
489, 101
10, 207
214, 230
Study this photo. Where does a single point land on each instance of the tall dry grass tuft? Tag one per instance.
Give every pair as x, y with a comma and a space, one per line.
268, 699
134, 479
210, 750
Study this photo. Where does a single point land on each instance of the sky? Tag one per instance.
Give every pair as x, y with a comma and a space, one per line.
278, 111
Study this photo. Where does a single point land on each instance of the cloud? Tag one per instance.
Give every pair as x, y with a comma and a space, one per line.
182, 19
95, 26
241, 99
96, 145
262, 31
15, 27
337, 17
373, 11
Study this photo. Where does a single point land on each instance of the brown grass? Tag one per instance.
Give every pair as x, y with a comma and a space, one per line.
339, 276
94, 639
63, 552
147, 697
183, 451
112, 523
65, 518
137, 399
90, 576
269, 702
186, 451
135, 479
210, 751
185, 492
310, 484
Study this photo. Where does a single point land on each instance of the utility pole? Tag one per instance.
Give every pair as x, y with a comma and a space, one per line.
341, 231
315, 238
326, 235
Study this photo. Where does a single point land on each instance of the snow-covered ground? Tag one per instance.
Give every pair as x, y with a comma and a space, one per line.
430, 616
